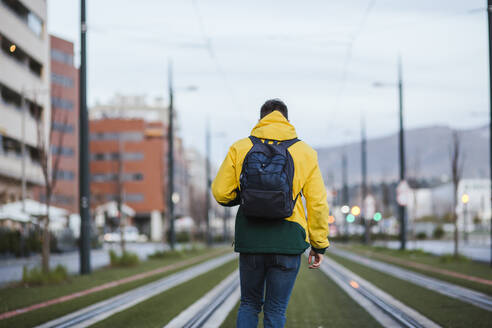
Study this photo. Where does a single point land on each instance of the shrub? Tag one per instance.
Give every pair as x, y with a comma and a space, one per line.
421, 235
183, 237
36, 277
448, 258
438, 232
126, 259
166, 254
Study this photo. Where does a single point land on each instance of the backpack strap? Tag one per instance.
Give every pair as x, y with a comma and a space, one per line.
255, 140
287, 143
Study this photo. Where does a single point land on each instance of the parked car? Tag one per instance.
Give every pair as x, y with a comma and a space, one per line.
130, 234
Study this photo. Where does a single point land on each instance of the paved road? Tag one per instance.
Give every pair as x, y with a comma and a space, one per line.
11, 269
474, 251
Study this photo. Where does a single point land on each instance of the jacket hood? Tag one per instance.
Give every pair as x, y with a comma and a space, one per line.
274, 126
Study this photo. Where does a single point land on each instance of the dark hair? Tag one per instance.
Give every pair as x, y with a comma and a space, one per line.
273, 105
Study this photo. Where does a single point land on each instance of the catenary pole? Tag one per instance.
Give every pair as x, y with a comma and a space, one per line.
207, 174
364, 218
345, 191
170, 159
489, 15
401, 208
84, 174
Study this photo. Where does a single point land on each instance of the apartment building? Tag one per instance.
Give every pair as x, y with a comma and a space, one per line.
24, 94
128, 157
64, 117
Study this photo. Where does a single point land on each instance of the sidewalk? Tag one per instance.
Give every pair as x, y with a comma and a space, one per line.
11, 269
476, 252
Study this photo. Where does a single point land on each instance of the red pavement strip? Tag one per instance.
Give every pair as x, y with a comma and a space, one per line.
432, 269
112, 284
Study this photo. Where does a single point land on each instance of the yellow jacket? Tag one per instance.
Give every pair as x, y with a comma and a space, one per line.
291, 235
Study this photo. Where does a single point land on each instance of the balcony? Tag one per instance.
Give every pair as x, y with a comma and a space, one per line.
11, 166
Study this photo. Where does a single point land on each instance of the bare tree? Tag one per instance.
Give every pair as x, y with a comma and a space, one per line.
50, 168
457, 160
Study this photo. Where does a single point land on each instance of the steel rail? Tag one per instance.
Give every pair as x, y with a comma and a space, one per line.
101, 310
460, 293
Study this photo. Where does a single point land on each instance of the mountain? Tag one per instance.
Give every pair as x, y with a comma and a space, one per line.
427, 156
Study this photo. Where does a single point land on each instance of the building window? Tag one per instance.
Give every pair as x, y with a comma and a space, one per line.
133, 198
14, 51
62, 103
62, 151
58, 199
132, 177
65, 128
104, 177
125, 136
62, 57
127, 156
33, 21
135, 156
65, 175
12, 98
62, 80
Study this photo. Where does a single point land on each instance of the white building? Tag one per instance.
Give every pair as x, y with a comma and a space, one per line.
438, 201
24, 93
131, 106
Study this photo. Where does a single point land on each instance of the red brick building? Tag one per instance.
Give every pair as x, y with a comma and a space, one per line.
139, 148
64, 117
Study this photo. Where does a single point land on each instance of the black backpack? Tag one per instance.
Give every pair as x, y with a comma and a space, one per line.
266, 180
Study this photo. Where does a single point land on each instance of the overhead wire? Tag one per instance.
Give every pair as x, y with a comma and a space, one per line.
212, 53
348, 56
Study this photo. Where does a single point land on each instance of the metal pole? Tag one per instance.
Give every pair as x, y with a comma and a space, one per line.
489, 12
207, 193
367, 237
170, 161
465, 222
23, 150
84, 174
345, 192
401, 209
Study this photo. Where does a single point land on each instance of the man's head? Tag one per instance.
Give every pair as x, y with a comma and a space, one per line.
273, 105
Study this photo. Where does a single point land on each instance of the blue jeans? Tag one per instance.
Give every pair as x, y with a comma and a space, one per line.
271, 275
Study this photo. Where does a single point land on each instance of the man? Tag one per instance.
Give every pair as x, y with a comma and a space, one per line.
270, 249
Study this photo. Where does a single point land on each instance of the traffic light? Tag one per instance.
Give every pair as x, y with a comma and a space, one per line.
355, 210
377, 216
350, 218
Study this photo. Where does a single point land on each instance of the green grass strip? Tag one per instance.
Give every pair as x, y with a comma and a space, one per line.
317, 301
160, 309
444, 310
471, 268
98, 277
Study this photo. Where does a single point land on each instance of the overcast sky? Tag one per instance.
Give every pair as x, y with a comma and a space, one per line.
321, 57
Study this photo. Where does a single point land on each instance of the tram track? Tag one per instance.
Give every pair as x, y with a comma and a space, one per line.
104, 309
388, 311
458, 292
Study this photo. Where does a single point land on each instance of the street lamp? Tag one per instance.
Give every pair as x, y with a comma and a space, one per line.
401, 208
355, 210
170, 139
465, 199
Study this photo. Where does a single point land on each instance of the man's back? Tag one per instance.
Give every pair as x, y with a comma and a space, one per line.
291, 235
270, 249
